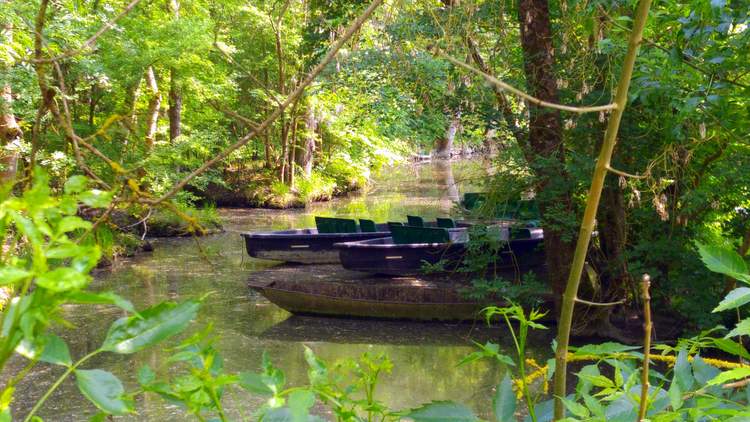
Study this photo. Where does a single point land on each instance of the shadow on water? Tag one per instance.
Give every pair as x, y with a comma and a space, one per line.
424, 354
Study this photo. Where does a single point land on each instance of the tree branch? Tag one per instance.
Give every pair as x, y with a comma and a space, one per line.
89, 42
506, 87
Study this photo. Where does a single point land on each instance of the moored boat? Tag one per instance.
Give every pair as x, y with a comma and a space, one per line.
411, 249
332, 291
316, 245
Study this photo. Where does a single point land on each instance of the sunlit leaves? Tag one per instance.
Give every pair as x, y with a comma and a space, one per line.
724, 261
734, 299
504, 401
442, 411
104, 390
131, 334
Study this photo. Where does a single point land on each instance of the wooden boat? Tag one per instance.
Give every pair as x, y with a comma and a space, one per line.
315, 245
332, 291
409, 250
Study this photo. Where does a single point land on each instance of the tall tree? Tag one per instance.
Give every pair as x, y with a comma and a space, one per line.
154, 104
10, 131
543, 147
175, 90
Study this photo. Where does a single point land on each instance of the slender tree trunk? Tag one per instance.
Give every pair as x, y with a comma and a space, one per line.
305, 158
293, 151
175, 90
154, 104
444, 146
10, 131
281, 86
93, 100
544, 147
175, 106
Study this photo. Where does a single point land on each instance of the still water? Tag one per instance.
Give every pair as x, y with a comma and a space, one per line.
424, 355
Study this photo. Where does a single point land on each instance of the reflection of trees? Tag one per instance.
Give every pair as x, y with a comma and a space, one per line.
443, 171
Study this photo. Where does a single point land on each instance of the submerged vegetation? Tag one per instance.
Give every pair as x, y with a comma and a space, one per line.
121, 120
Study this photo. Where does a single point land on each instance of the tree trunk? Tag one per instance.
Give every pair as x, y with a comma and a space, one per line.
10, 131
443, 171
544, 147
175, 106
154, 104
305, 158
175, 91
444, 146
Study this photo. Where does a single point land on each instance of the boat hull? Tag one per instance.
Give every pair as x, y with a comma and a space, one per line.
303, 246
382, 256
307, 246
340, 293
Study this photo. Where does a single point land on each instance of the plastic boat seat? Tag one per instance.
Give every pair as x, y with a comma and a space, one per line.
392, 224
403, 235
367, 226
335, 225
446, 223
415, 221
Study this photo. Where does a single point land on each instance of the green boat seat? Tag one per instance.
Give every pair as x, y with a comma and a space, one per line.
415, 221
335, 225
392, 224
403, 235
446, 223
367, 226
519, 233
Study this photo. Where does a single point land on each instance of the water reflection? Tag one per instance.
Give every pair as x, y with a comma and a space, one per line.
424, 354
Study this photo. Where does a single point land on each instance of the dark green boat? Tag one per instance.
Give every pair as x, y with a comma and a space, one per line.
316, 245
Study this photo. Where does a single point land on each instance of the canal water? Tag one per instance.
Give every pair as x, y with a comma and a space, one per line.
424, 355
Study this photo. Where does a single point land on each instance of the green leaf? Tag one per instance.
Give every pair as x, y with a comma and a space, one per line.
96, 198
731, 375
742, 329
106, 298
594, 405
131, 334
70, 223
68, 250
683, 374
734, 299
146, 375
300, 402
675, 396
576, 409
283, 414
504, 402
10, 275
254, 383
317, 372
731, 346
442, 411
608, 348
55, 351
62, 279
99, 417
48, 348
104, 390
725, 261
75, 184
704, 372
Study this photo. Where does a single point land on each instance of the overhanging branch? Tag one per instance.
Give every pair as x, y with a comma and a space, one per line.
507, 87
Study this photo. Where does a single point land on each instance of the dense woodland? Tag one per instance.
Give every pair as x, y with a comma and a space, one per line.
114, 112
